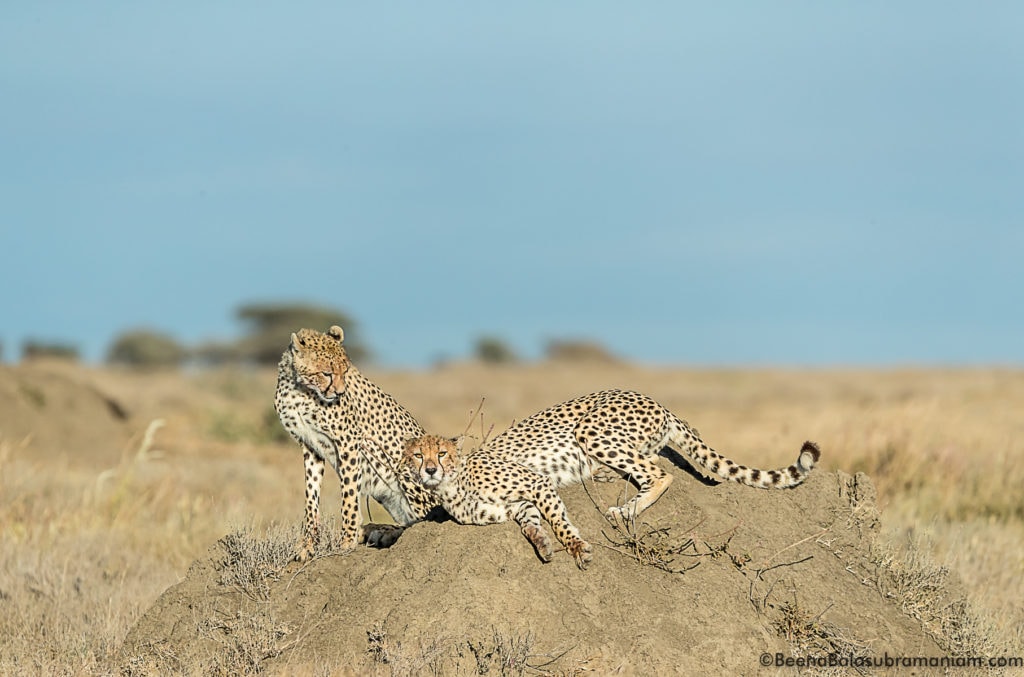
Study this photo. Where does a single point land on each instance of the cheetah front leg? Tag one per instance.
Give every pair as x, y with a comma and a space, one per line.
350, 474
311, 525
551, 506
527, 517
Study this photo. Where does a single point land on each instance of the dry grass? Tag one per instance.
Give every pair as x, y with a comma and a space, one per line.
504, 655
92, 534
809, 636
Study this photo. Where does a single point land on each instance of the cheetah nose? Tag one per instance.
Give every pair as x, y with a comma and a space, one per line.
431, 470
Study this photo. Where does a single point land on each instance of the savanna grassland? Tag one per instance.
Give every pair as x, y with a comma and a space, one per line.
113, 482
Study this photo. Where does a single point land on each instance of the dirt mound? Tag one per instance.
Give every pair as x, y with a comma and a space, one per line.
713, 578
55, 407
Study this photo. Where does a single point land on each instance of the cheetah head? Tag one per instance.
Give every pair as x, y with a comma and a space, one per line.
320, 363
432, 459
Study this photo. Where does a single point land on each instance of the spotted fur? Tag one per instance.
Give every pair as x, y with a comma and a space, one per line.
331, 409
624, 431
483, 488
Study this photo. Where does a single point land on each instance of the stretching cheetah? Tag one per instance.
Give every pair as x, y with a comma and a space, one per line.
331, 409
483, 488
624, 431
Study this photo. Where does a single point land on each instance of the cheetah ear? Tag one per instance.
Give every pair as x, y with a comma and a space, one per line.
458, 442
295, 341
336, 332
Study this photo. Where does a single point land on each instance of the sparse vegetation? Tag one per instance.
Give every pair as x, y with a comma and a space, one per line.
656, 546
251, 561
809, 636
911, 578
503, 654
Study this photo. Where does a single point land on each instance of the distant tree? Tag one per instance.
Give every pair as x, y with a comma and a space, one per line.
493, 350
271, 326
35, 349
215, 353
146, 348
578, 350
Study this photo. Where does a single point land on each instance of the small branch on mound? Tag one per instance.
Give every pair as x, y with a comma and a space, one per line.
473, 415
764, 567
764, 564
654, 546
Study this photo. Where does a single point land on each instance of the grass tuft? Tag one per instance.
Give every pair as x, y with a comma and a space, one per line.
911, 578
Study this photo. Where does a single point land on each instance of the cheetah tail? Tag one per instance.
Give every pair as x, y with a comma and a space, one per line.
708, 461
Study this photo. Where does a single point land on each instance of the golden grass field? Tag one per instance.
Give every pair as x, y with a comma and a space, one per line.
99, 513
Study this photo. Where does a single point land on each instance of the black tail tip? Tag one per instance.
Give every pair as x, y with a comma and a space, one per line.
812, 449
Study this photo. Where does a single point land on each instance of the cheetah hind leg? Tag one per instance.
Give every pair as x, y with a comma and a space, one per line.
651, 482
527, 517
601, 443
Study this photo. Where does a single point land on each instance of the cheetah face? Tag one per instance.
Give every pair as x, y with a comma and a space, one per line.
320, 362
432, 459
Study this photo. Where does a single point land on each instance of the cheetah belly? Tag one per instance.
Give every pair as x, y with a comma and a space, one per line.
386, 490
565, 465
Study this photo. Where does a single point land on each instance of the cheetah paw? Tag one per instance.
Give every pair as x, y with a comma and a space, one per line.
381, 535
603, 474
621, 514
581, 551
540, 541
305, 552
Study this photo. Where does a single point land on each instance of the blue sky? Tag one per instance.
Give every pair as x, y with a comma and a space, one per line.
715, 183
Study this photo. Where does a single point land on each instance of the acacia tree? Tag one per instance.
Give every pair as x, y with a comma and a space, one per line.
270, 326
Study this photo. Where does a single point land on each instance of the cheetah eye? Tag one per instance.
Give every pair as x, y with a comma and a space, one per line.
418, 456
327, 374
442, 454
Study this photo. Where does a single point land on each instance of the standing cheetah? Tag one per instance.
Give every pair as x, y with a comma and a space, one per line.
331, 410
483, 488
624, 431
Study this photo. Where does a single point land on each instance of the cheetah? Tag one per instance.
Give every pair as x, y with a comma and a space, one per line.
331, 409
483, 488
623, 431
